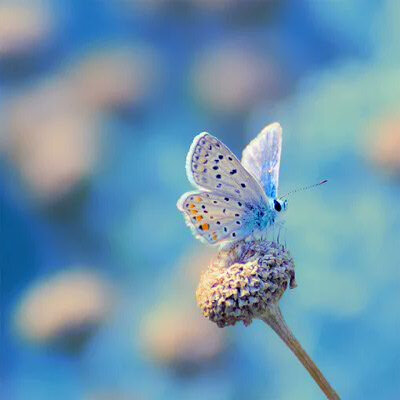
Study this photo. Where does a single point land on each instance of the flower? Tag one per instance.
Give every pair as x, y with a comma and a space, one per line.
384, 150
114, 77
175, 335
244, 281
247, 281
172, 332
24, 27
65, 310
231, 78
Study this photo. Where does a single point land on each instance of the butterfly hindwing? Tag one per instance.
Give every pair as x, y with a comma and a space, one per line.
212, 166
262, 158
214, 218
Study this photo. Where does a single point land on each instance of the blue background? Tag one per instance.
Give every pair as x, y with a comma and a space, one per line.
328, 71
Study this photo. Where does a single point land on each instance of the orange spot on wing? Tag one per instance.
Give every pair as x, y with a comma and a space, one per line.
192, 206
214, 236
199, 218
205, 227
198, 199
194, 212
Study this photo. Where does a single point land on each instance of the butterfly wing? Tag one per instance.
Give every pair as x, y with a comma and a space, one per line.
210, 165
223, 208
214, 218
262, 158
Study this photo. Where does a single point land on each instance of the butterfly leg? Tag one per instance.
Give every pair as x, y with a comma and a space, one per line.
279, 233
280, 226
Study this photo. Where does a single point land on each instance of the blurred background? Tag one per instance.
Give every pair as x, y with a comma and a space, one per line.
99, 103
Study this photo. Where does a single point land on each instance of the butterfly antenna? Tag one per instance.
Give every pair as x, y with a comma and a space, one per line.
305, 188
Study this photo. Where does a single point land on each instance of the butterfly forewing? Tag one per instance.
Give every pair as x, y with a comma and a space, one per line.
212, 166
213, 217
262, 158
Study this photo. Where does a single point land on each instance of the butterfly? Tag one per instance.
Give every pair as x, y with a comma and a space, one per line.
233, 200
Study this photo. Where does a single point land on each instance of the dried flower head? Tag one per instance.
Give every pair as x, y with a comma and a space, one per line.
231, 78
65, 310
174, 333
243, 282
176, 336
384, 148
25, 27
246, 281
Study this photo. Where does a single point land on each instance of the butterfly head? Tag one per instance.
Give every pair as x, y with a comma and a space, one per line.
280, 205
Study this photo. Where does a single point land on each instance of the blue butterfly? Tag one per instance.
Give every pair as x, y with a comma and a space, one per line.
234, 200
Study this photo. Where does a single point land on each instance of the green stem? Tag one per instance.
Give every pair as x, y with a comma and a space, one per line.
275, 320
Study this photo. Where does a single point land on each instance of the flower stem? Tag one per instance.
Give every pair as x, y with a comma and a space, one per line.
275, 320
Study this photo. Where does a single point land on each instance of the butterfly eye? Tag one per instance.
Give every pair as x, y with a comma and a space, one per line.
277, 205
